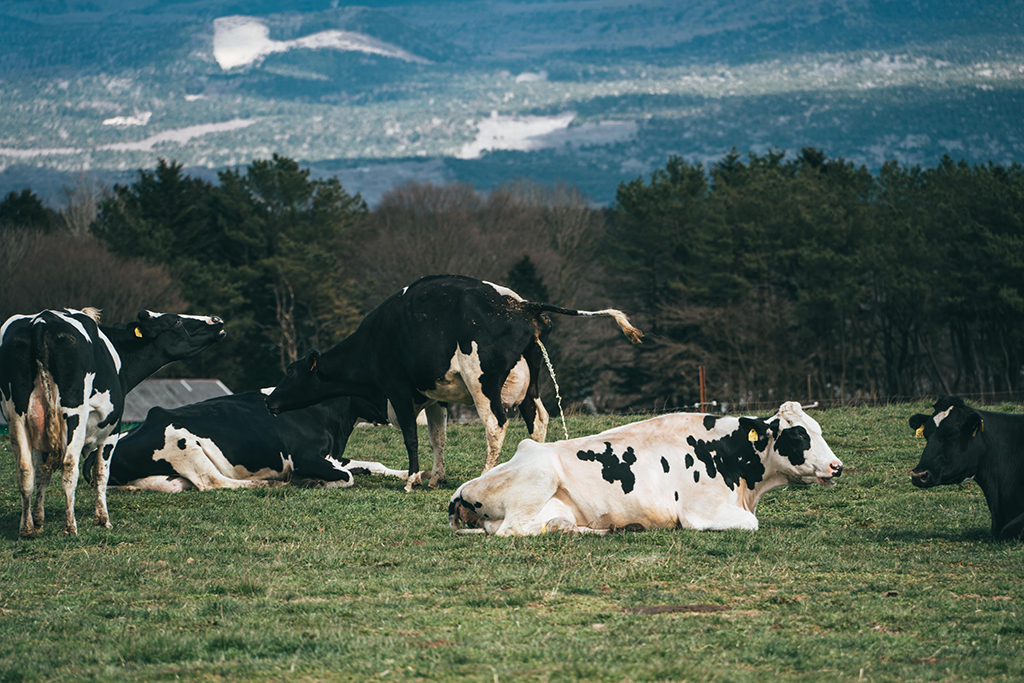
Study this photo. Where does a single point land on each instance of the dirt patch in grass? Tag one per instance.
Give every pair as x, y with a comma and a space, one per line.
669, 609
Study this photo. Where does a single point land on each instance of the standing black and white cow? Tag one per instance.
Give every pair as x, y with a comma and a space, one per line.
233, 442
964, 443
683, 470
443, 338
63, 379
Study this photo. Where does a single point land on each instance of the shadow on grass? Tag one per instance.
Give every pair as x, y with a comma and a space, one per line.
973, 535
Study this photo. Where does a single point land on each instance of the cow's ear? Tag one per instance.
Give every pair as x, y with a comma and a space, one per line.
917, 424
755, 430
973, 424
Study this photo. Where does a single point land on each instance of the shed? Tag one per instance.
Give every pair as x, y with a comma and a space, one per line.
166, 393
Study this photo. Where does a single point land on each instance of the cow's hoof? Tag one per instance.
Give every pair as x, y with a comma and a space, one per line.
414, 480
70, 531
562, 524
105, 523
29, 532
436, 483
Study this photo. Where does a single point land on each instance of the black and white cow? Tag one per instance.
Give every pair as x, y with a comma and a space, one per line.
965, 443
63, 379
233, 442
443, 338
683, 470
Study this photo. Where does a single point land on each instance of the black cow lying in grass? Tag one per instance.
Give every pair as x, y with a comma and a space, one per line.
233, 442
964, 443
443, 338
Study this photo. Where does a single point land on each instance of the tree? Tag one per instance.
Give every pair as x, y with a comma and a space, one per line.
25, 210
267, 249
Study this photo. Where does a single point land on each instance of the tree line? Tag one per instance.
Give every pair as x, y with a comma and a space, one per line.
780, 275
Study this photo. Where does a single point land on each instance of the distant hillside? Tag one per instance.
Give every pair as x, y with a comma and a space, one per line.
588, 92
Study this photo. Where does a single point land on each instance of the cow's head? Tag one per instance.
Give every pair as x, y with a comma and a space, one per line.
467, 511
301, 387
803, 455
954, 445
177, 336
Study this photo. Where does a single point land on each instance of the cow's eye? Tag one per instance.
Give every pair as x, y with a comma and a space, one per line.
177, 323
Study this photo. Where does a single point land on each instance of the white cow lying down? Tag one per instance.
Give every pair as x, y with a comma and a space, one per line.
684, 470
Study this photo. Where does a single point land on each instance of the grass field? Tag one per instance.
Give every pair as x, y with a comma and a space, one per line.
870, 580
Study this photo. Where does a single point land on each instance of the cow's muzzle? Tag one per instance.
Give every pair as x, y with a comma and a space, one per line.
835, 471
273, 406
922, 480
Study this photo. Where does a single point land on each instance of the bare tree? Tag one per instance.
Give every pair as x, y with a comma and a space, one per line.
79, 203
59, 271
285, 336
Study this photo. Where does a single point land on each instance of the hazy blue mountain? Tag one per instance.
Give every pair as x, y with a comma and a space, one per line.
588, 92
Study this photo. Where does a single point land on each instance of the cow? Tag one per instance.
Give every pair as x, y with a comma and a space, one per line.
233, 442
63, 379
444, 338
682, 470
964, 444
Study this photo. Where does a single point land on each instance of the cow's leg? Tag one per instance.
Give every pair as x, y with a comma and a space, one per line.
198, 462
43, 475
558, 516
324, 471
371, 467
405, 414
495, 427
26, 470
487, 399
532, 408
719, 518
160, 483
1012, 529
102, 476
69, 478
437, 424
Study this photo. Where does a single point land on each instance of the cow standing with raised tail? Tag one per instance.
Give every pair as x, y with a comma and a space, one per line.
965, 443
444, 338
63, 380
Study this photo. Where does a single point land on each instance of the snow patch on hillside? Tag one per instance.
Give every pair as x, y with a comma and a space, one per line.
240, 41
140, 119
178, 135
36, 152
529, 133
532, 77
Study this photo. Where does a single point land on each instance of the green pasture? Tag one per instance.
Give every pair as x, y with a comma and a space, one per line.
869, 580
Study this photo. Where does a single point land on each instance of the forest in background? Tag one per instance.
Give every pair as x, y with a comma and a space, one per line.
782, 275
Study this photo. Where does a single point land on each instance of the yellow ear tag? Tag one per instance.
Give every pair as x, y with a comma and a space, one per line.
313, 366
138, 332
979, 428
919, 434
752, 436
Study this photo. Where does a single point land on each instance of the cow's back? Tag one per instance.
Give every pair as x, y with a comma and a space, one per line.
418, 329
641, 473
239, 425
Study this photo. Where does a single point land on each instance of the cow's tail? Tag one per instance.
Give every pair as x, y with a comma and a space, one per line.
633, 333
54, 427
